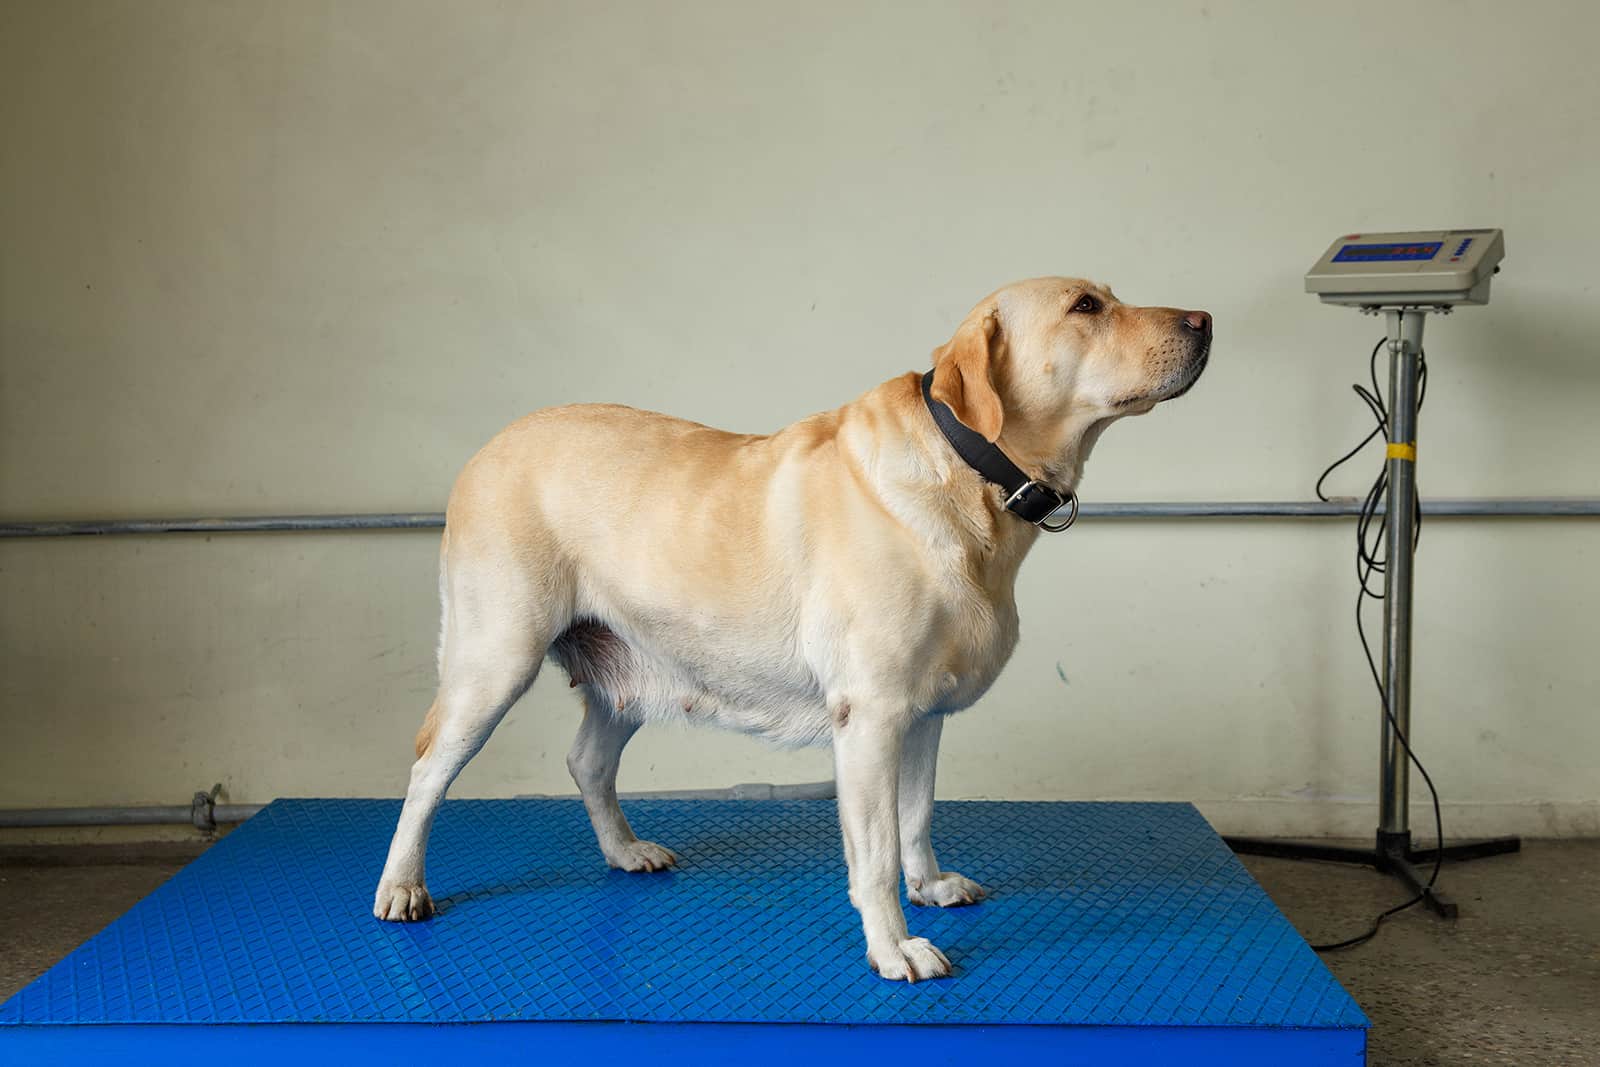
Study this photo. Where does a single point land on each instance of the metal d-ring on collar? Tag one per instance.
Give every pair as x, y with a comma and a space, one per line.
1068, 501
1026, 498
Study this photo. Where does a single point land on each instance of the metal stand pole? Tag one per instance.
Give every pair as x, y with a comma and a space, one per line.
1393, 846
1405, 345
1392, 852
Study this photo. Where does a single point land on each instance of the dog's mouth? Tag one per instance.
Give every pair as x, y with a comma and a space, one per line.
1196, 367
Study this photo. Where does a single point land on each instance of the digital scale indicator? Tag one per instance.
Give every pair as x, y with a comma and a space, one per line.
1386, 253
1421, 268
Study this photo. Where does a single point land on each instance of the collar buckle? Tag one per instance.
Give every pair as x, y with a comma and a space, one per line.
1039, 503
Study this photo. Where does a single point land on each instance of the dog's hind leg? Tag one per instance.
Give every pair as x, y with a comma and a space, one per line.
593, 761
494, 640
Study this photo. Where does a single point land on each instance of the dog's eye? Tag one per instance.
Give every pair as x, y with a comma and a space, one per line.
1086, 305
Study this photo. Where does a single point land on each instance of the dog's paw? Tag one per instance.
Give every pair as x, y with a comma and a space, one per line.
910, 960
641, 856
948, 890
402, 903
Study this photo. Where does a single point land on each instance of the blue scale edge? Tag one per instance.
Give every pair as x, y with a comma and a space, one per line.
1104, 915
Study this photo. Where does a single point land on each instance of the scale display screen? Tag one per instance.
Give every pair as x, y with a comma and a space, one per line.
1387, 253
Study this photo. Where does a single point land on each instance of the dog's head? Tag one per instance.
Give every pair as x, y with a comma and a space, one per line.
1057, 351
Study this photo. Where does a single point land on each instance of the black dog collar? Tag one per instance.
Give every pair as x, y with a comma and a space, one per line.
1025, 498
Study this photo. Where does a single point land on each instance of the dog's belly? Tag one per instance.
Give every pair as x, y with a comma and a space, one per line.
737, 686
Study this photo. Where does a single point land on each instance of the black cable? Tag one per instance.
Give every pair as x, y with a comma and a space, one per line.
1371, 558
1336, 464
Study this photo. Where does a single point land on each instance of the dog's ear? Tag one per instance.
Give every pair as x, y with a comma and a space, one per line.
963, 376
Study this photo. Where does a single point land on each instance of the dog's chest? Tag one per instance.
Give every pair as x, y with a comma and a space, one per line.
981, 635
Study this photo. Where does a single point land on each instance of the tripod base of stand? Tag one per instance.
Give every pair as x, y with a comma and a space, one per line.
1391, 854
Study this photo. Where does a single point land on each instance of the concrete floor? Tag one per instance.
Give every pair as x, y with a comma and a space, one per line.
1515, 980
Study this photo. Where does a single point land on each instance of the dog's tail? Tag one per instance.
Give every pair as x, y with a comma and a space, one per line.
430, 726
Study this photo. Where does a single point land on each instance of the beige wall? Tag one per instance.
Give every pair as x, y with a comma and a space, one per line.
305, 257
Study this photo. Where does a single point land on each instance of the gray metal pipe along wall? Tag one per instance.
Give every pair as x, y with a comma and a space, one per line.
158, 815
1527, 508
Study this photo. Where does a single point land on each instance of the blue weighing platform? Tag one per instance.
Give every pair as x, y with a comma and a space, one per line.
1117, 934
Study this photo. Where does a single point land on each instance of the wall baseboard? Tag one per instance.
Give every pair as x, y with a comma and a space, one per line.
1313, 819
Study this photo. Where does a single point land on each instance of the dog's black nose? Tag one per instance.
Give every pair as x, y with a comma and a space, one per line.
1199, 322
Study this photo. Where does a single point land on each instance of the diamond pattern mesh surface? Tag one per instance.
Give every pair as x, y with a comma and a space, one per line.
1102, 914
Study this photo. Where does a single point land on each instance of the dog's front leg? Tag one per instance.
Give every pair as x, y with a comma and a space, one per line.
925, 882
867, 743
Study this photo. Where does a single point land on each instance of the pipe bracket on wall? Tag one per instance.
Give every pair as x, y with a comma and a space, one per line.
203, 809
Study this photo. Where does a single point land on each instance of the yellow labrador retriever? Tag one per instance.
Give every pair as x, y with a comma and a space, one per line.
846, 580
